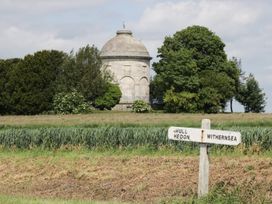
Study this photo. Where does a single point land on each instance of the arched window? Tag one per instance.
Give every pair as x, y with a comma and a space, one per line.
127, 86
143, 89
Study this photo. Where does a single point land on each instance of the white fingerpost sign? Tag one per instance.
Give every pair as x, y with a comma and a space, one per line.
204, 136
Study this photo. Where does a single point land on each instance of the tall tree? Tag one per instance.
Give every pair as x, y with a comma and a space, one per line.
236, 73
251, 96
5, 67
194, 59
82, 72
176, 70
32, 82
222, 85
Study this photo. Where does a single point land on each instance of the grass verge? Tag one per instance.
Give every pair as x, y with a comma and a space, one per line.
128, 119
6, 199
144, 151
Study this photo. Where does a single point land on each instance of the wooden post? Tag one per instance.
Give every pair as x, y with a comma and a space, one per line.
203, 181
204, 136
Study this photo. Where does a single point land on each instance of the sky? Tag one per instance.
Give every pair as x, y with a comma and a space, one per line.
243, 25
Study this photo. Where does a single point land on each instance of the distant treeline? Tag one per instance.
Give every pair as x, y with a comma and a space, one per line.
193, 74
50, 81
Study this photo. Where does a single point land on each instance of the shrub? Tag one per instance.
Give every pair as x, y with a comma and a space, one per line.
180, 102
209, 100
140, 106
110, 98
72, 102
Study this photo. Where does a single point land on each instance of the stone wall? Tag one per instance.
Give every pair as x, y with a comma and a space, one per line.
132, 75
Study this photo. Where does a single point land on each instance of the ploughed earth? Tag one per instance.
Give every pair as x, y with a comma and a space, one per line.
144, 179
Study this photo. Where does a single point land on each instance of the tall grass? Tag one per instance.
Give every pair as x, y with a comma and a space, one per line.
119, 137
249, 192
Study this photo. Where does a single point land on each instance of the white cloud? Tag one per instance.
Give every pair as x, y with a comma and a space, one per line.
227, 18
17, 42
46, 5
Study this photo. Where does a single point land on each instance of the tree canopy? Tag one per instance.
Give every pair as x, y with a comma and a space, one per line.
6, 67
29, 85
193, 60
82, 72
31, 82
251, 96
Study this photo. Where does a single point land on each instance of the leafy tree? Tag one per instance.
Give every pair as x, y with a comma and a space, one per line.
180, 102
32, 82
110, 98
251, 96
5, 67
235, 73
194, 59
209, 100
222, 85
176, 70
82, 72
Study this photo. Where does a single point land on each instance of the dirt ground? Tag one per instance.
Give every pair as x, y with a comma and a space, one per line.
138, 178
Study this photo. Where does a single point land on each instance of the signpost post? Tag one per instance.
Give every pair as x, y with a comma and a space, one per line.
204, 136
203, 178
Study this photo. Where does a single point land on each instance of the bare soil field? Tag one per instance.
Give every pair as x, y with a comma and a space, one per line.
134, 118
144, 179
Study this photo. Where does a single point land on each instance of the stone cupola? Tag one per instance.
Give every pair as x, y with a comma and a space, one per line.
129, 62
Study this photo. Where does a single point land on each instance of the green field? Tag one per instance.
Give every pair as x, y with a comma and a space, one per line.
104, 130
134, 119
254, 139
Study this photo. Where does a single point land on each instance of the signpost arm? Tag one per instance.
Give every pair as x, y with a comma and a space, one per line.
203, 182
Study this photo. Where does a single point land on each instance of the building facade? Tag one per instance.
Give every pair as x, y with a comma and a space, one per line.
129, 62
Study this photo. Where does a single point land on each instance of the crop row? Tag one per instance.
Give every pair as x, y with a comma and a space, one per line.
116, 137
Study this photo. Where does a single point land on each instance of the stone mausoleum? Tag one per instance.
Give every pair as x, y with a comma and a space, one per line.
129, 61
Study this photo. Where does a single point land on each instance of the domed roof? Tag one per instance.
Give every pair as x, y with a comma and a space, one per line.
124, 45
